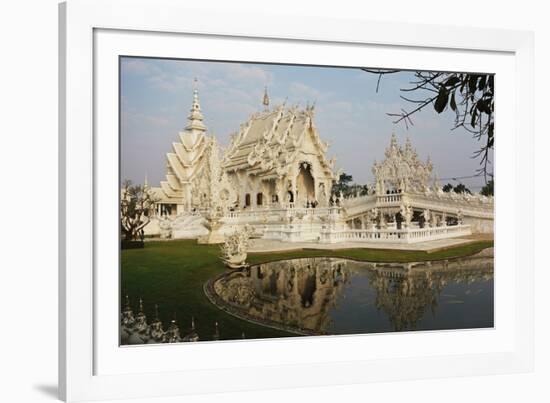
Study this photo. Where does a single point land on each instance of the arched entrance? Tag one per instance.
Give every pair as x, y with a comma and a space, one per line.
305, 185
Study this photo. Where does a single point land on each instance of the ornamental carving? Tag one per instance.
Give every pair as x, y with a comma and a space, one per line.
402, 170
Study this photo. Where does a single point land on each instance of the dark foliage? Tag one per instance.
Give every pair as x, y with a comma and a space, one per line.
345, 186
460, 188
136, 207
488, 189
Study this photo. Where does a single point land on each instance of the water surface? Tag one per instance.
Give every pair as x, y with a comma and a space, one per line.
339, 296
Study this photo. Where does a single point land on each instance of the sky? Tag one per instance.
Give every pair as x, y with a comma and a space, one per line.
156, 96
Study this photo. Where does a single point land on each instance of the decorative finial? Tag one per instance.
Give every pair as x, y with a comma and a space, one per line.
195, 117
195, 91
266, 99
192, 323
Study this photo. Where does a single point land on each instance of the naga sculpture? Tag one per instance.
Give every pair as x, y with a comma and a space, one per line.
234, 249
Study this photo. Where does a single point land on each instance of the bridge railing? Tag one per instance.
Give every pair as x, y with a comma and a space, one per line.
407, 235
266, 213
448, 203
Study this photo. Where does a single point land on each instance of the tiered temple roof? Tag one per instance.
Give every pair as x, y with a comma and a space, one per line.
270, 141
189, 155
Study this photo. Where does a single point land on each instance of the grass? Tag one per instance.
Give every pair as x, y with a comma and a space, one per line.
172, 273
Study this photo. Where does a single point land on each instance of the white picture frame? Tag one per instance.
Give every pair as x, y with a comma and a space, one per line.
92, 366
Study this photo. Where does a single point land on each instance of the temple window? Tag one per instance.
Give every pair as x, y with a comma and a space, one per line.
247, 199
259, 199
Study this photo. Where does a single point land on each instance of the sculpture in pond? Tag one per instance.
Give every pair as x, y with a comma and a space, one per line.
235, 247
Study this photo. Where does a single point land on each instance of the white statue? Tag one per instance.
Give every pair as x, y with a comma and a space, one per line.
427, 214
407, 214
165, 225
234, 249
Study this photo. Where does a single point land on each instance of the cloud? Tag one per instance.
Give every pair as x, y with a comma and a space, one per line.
249, 74
304, 92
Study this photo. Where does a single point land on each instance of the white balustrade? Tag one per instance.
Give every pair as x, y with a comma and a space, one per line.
407, 235
389, 199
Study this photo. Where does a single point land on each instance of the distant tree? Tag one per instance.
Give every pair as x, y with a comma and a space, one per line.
356, 189
488, 189
461, 188
364, 190
347, 187
342, 185
136, 207
469, 96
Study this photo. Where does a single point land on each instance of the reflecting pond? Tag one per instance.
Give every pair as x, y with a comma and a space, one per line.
339, 296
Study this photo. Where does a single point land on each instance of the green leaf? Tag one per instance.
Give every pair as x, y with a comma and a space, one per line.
472, 80
452, 81
482, 82
483, 107
453, 101
441, 100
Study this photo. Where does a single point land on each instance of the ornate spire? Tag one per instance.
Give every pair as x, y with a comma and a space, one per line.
393, 141
393, 148
195, 116
266, 100
408, 144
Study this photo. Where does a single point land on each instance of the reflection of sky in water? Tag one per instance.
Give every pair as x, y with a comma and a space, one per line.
457, 306
335, 296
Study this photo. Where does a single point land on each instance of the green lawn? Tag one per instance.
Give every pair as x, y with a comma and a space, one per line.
172, 274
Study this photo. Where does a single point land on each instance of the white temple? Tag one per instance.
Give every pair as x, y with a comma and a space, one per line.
276, 178
278, 158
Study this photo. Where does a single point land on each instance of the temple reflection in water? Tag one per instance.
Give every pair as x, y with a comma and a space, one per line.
338, 296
